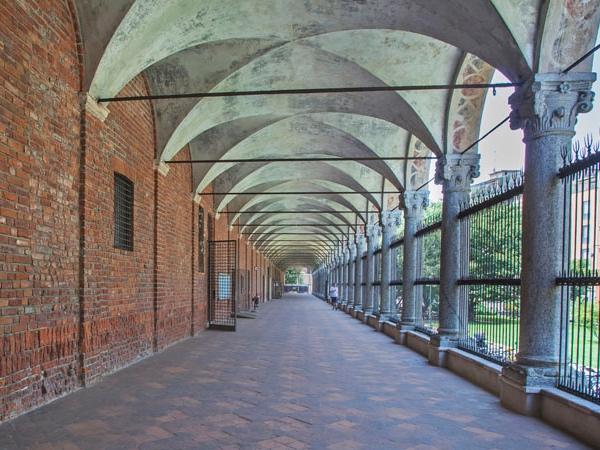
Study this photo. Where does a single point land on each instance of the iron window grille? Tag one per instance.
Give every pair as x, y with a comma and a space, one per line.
123, 212
201, 241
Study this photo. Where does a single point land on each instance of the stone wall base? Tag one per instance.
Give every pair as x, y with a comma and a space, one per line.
389, 329
572, 414
477, 370
418, 342
372, 321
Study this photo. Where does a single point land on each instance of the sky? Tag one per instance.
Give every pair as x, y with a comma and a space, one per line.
504, 148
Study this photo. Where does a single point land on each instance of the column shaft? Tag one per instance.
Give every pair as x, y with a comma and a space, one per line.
390, 221
358, 272
371, 245
414, 204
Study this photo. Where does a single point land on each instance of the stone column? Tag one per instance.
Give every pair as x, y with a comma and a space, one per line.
546, 109
390, 221
413, 203
372, 238
340, 275
455, 173
345, 274
351, 260
329, 275
335, 271
358, 271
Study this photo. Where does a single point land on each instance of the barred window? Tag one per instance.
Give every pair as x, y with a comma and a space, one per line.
201, 240
123, 210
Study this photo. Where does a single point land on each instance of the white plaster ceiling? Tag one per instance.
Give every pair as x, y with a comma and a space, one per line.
184, 46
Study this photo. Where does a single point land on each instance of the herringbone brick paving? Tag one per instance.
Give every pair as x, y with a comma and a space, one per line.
300, 376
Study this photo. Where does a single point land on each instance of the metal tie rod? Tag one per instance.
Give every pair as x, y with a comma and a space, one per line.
292, 212
330, 90
300, 241
300, 193
295, 233
241, 225
306, 159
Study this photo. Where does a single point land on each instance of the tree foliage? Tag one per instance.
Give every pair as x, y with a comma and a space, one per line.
291, 276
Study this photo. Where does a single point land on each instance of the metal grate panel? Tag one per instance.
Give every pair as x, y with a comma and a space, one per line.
222, 265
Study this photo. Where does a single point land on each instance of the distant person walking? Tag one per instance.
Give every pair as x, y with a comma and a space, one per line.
333, 295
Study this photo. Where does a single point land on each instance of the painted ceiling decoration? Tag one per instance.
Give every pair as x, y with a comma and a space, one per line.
186, 46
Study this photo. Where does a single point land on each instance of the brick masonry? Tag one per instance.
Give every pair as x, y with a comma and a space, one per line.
72, 307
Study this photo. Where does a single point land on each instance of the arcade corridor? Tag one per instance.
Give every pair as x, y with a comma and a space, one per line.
282, 381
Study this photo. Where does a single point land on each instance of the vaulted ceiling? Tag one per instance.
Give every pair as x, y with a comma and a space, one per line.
184, 46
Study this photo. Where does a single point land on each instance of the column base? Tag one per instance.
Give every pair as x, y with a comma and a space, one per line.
520, 387
403, 329
438, 348
383, 317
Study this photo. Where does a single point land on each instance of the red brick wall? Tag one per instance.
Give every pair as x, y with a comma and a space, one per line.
119, 284
39, 233
174, 255
57, 166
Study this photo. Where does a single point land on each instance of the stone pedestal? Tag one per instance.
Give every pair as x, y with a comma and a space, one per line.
438, 348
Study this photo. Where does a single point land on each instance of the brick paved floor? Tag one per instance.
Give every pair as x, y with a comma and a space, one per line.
300, 376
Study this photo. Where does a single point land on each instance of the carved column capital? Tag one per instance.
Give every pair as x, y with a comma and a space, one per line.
361, 241
373, 230
550, 103
351, 250
346, 254
414, 203
456, 172
390, 220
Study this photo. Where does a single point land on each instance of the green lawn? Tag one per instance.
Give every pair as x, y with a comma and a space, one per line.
506, 333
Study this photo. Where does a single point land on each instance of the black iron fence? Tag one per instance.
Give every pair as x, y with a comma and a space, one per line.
397, 258
490, 259
580, 277
376, 286
427, 284
363, 285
